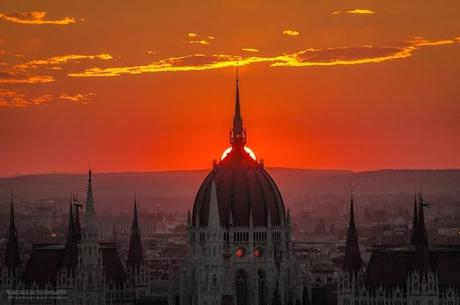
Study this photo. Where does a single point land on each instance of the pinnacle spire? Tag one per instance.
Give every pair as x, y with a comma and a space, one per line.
90, 229
77, 235
421, 219
422, 254
352, 261
213, 216
70, 226
414, 221
238, 133
135, 254
12, 258
352, 213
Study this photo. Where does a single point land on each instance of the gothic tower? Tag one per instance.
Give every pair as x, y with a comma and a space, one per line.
11, 269
90, 277
136, 268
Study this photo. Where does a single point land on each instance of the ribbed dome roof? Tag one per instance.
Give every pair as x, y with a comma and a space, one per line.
243, 186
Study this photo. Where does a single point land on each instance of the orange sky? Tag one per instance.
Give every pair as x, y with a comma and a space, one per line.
149, 85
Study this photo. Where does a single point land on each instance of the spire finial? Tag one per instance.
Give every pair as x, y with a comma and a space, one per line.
238, 133
237, 70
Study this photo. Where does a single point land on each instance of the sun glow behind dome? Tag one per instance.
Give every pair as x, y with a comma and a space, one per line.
246, 149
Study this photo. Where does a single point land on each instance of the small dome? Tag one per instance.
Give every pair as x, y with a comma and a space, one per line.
243, 187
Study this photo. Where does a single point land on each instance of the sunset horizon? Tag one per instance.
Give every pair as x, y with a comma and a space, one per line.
337, 86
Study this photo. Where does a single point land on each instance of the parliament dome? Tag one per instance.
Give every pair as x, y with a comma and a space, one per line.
246, 193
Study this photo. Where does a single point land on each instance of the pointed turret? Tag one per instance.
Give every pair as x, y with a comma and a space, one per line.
422, 254
135, 254
213, 216
238, 133
77, 226
352, 261
414, 222
70, 236
90, 228
12, 260
421, 221
70, 248
230, 218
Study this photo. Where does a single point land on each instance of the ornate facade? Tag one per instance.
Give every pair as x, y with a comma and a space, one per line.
413, 274
83, 271
239, 244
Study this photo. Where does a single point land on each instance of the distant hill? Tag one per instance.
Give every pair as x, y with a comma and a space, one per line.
175, 190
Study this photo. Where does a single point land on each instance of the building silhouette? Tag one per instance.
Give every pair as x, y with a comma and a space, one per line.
412, 274
239, 236
82, 271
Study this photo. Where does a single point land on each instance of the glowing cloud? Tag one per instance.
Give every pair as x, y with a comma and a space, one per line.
357, 11
22, 78
77, 98
17, 99
291, 33
304, 58
202, 42
56, 60
195, 38
250, 50
35, 18
26, 73
11, 98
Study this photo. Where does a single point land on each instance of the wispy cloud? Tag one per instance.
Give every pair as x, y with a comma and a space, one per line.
252, 50
304, 58
291, 33
18, 99
62, 59
34, 18
77, 98
357, 11
12, 98
194, 38
202, 42
37, 71
22, 77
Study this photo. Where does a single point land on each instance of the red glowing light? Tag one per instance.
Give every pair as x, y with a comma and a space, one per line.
258, 252
240, 252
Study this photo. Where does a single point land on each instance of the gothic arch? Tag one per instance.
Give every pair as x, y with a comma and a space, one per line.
241, 287
261, 286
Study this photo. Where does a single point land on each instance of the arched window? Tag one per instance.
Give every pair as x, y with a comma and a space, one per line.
261, 278
241, 288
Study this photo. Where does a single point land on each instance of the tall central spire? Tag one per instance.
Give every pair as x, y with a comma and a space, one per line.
238, 133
